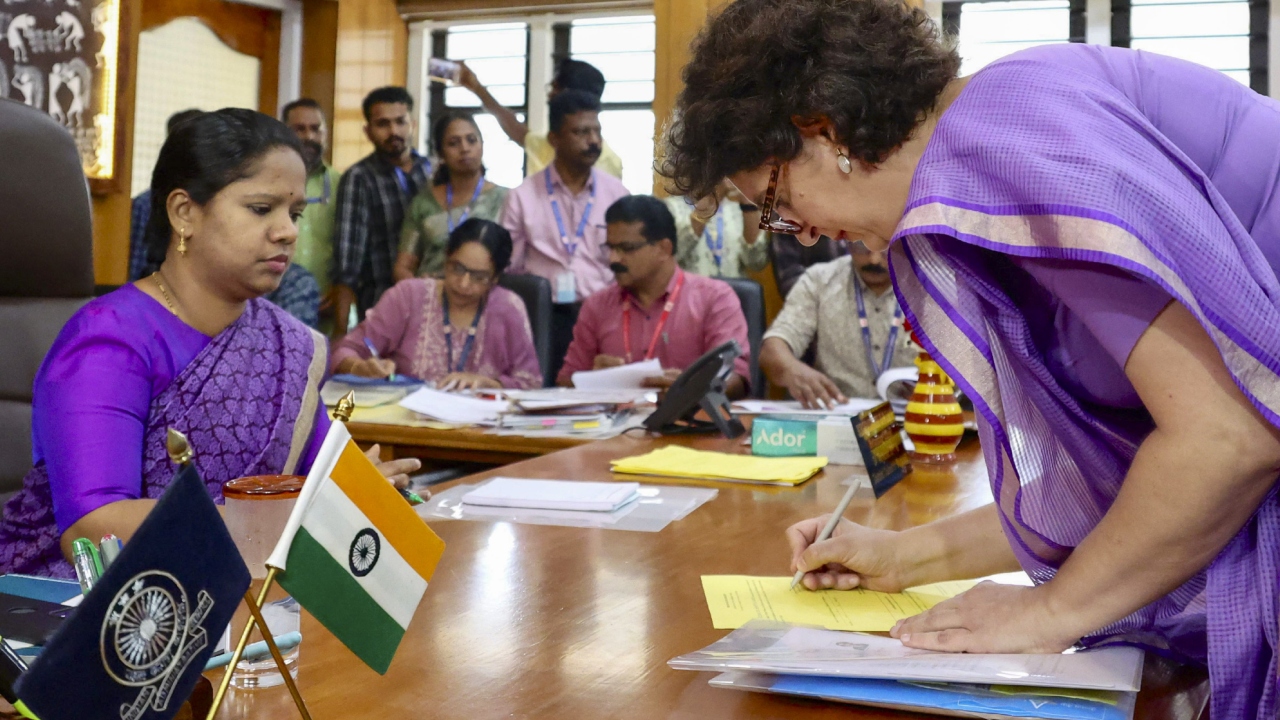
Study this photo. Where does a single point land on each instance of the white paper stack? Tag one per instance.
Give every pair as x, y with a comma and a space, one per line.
553, 494
454, 408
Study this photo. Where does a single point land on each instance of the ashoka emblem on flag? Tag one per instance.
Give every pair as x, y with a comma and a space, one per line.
365, 549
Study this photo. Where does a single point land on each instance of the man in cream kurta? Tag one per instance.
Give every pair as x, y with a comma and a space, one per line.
823, 307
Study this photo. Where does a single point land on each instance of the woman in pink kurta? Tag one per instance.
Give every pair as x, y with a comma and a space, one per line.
462, 331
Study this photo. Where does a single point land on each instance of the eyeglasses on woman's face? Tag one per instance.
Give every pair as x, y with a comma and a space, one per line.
458, 271
770, 220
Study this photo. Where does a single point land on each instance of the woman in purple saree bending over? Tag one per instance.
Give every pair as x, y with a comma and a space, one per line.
193, 347
1088, 240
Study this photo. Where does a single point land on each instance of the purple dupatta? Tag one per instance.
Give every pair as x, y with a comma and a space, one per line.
247, 403
1040, 159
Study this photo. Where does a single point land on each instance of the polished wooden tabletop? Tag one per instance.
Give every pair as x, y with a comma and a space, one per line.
466, 445
526, 621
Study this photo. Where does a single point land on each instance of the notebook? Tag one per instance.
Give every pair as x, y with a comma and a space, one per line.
553, 494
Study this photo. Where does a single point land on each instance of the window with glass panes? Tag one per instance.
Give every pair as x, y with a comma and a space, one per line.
498, 53
622, 48
1226, 35
989, 30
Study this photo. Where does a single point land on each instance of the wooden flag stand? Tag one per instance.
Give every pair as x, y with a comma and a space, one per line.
183, 455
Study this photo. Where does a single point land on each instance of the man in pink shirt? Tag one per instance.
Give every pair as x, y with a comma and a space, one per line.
556, 217
656, 310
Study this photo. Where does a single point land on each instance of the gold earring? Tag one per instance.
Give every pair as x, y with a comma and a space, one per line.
182, 243
842, 162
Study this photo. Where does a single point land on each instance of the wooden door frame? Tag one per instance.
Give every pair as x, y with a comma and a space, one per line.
236, 27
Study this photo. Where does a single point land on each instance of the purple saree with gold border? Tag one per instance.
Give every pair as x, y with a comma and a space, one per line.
1158, 168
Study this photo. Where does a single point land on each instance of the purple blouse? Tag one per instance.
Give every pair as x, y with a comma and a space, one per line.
407, 326
1090, 318
93, 393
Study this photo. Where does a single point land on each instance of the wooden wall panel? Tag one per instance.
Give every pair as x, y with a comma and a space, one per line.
247, 29
111, 209
372, 51
320, 54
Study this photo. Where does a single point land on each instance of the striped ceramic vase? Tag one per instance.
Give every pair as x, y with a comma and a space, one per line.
934, 421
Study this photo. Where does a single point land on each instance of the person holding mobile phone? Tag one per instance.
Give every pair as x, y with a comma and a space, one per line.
539, 151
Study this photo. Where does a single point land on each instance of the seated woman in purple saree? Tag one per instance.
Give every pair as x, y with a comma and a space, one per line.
462, 331
1066, 227
193, 347
123, 370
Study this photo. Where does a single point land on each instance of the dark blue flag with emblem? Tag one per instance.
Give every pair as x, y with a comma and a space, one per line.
137, 644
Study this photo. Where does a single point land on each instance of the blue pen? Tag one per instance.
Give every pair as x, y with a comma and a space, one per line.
374, 352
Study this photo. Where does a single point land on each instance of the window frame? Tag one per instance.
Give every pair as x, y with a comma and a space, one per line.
1077, 22
1259, 38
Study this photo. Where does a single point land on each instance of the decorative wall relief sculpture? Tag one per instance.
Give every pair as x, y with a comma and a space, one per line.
61, 56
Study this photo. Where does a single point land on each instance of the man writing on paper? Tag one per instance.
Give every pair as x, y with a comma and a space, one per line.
848, 358
656, 310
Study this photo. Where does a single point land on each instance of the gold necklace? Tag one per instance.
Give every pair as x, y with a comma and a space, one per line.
168, 300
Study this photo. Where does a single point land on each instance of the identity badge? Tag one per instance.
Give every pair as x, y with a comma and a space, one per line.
566, 288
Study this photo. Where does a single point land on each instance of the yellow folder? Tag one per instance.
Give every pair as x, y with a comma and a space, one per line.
675, 461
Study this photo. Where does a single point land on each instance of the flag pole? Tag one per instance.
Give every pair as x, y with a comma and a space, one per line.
342, 413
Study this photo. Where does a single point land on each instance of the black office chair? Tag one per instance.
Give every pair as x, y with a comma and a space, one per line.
47, 246
751, 295
536, 293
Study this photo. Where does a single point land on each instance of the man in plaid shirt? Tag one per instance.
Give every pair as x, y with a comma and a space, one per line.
372, 199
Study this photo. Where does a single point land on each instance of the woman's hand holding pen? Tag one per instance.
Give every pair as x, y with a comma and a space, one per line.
373, 368
855, 556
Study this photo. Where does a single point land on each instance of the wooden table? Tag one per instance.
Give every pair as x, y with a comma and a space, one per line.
467, 445
525, 621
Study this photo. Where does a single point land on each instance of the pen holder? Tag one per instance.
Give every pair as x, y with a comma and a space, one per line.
257, 509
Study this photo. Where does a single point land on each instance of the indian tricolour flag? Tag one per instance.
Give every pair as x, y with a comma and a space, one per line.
354, 553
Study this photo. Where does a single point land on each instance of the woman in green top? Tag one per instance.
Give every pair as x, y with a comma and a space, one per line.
457, 193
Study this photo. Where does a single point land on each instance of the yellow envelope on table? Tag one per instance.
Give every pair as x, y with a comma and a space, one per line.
735, 600
675, 461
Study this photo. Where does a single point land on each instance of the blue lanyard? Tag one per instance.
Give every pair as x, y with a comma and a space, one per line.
448, 337
466, 212
403, 178
571, 247
866, 332
324, 197
717, 247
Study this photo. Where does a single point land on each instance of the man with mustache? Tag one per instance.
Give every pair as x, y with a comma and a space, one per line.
849, 306
372, 199
656, 310
570, 75
314, 249
556, 217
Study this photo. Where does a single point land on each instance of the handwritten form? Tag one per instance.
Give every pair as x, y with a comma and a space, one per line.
735, 600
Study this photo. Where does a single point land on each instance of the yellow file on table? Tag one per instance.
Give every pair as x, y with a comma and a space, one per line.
675, 461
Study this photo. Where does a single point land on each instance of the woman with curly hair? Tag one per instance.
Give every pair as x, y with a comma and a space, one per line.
1087, 238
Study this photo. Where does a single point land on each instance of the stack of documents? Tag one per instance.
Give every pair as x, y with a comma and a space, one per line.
369, 393
793, 407
455, 408
573, 400
880, 671
674, 461
553, 494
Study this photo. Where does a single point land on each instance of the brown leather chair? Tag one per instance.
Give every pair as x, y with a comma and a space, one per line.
46, 264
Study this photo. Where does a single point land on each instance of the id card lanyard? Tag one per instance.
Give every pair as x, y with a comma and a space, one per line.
866, 333
571, 244
716, 247
466, 346
662, 320
324, 196
466, 212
